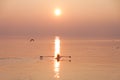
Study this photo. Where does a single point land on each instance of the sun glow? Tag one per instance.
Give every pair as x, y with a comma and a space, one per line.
57, 12
57, 46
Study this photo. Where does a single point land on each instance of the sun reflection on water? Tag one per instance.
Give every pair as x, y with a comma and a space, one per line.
57, 63
57, 69
57, 46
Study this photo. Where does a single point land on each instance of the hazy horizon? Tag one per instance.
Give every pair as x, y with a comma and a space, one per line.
99, 19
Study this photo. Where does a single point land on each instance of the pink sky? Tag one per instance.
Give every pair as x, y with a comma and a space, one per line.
80, 18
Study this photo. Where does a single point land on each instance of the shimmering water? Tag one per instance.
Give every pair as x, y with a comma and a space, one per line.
91, 60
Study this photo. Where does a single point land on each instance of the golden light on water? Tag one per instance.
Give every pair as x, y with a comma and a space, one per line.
57, 46
57, 69
56, 63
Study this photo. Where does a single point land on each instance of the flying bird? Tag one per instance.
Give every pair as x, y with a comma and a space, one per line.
32, 40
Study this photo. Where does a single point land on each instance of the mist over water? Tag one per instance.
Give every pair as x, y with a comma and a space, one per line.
91, 60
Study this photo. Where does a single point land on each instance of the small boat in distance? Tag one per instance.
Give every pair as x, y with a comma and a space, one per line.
58, 57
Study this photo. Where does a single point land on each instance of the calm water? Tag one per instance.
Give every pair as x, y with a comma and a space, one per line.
91, 60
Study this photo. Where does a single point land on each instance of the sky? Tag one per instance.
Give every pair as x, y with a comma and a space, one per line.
79, 18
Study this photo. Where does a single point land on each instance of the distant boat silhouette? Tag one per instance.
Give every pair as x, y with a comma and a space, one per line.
58, 57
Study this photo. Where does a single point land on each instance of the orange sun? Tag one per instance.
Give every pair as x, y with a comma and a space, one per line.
57, 12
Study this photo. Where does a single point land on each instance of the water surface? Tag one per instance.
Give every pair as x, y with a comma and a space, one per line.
91, 60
